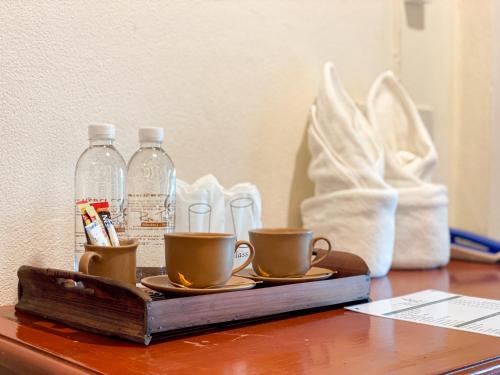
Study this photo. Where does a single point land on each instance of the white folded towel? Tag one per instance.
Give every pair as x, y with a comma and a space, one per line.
359, 221
200, 206
206, 206
422, 234
352, 206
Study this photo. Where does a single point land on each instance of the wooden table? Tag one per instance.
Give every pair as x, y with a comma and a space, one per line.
335, 341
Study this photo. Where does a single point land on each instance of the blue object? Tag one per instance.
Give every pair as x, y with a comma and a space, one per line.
474, 241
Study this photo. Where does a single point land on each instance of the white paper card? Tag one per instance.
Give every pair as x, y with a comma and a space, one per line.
437, 308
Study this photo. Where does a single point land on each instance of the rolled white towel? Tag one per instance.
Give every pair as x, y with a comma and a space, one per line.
422, 235
359, 221
410, 155
346, 135
352, 206
334, 170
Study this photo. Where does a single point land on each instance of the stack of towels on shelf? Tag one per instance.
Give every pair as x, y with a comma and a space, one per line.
372, 174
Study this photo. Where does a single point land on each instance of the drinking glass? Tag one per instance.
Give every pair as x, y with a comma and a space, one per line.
199, 217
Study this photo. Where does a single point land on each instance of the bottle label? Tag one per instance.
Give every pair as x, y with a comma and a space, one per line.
149, 217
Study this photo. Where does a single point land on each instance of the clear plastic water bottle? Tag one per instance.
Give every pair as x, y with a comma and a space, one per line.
100, 175
151, 201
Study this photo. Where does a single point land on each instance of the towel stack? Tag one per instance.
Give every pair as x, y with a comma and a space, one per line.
373, 195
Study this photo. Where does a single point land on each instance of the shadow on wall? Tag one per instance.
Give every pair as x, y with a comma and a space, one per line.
301, 186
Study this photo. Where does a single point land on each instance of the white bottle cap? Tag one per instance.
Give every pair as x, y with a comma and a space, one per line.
102, 131
151, 135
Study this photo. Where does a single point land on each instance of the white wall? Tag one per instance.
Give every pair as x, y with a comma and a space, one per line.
473, 105
450, 64
425, 46
230, 81
476, 172
494, 194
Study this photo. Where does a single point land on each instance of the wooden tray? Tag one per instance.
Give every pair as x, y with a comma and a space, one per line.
113, 308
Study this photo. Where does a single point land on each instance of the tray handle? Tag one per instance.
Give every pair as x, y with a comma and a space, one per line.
75, 281
68, 282
62, 274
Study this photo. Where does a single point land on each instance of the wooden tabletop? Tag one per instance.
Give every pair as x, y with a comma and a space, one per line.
335, 341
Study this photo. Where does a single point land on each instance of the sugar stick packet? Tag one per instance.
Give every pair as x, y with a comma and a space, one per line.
102, 209
93, 225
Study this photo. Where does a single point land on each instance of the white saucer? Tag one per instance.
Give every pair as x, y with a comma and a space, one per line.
314, 274
161, 283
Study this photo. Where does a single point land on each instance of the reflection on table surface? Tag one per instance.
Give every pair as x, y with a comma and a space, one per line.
335, 340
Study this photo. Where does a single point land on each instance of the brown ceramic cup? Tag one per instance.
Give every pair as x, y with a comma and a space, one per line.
284, 252
202, 260
115, 262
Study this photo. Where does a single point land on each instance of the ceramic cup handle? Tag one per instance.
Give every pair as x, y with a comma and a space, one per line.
328, 251
250, 257
83, 265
